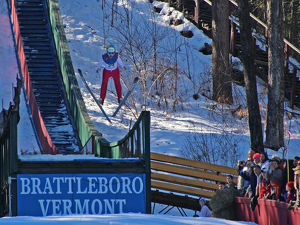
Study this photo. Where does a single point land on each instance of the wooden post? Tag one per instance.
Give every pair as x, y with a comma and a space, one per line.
146, 129
13, 155
197, 12
293, 88
180, 5
267, 40
254, 46
233, 39
138, 141
286, 55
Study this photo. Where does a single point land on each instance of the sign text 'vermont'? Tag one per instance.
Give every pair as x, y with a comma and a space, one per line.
56, 194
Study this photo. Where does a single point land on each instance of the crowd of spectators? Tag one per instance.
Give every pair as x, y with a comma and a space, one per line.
264, 178
261, 177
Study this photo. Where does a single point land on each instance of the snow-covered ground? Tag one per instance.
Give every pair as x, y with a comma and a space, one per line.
119, 219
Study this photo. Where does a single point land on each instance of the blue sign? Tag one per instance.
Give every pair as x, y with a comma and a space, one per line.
66, 194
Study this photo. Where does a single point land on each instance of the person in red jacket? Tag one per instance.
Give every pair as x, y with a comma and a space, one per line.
110, 60
263, 185
290, 191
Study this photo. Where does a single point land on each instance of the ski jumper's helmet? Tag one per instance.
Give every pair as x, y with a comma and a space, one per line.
111, 50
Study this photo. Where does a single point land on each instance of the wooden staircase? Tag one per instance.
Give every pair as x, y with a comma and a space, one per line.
201, 16
45, 74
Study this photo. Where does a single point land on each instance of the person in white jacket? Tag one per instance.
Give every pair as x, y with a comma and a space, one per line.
205, 211
110, 60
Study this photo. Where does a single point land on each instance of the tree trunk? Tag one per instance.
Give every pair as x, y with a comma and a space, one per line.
222, 90
274, 130
294, 27
247, 58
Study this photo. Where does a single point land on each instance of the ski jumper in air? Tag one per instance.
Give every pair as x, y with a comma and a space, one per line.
110, 60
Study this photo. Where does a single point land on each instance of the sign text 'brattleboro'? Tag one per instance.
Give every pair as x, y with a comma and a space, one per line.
65, 194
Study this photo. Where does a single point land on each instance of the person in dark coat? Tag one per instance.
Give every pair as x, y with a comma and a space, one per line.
243, 171
295, 162
273, 175
251, 177
287, 173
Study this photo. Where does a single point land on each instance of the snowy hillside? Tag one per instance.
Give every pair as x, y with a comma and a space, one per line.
93, 25
184, 122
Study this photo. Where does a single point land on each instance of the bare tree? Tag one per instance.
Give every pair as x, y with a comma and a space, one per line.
294, 25
274, 130
247, 58
211, 147
153, 61
222, 89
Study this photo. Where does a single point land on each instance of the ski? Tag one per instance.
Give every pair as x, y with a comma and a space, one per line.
84, 81
126, 96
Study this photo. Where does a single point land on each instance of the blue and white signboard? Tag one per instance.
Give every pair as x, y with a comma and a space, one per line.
65, 194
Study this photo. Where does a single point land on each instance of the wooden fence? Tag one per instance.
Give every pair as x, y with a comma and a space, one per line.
8, 146
266, 212
8, 157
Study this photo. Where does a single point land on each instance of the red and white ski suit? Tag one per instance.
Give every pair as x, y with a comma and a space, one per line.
111, 70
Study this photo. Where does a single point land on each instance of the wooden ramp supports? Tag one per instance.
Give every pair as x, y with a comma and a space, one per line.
179, 176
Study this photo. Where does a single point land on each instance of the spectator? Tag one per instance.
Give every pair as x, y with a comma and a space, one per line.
230, 183
273, 175
250, 154
241, 185
264, 160
243, 172
296, 161
296, 185
290, 191
240, 182
287, 175
250, 192
205, 211
264, 183
257, 172
256, 159
222, 185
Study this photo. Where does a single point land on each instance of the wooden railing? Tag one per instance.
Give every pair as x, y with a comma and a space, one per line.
260, 35
135, 144
8, 147
233, 5
266, 212
186, 176
8, 156
46, 143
